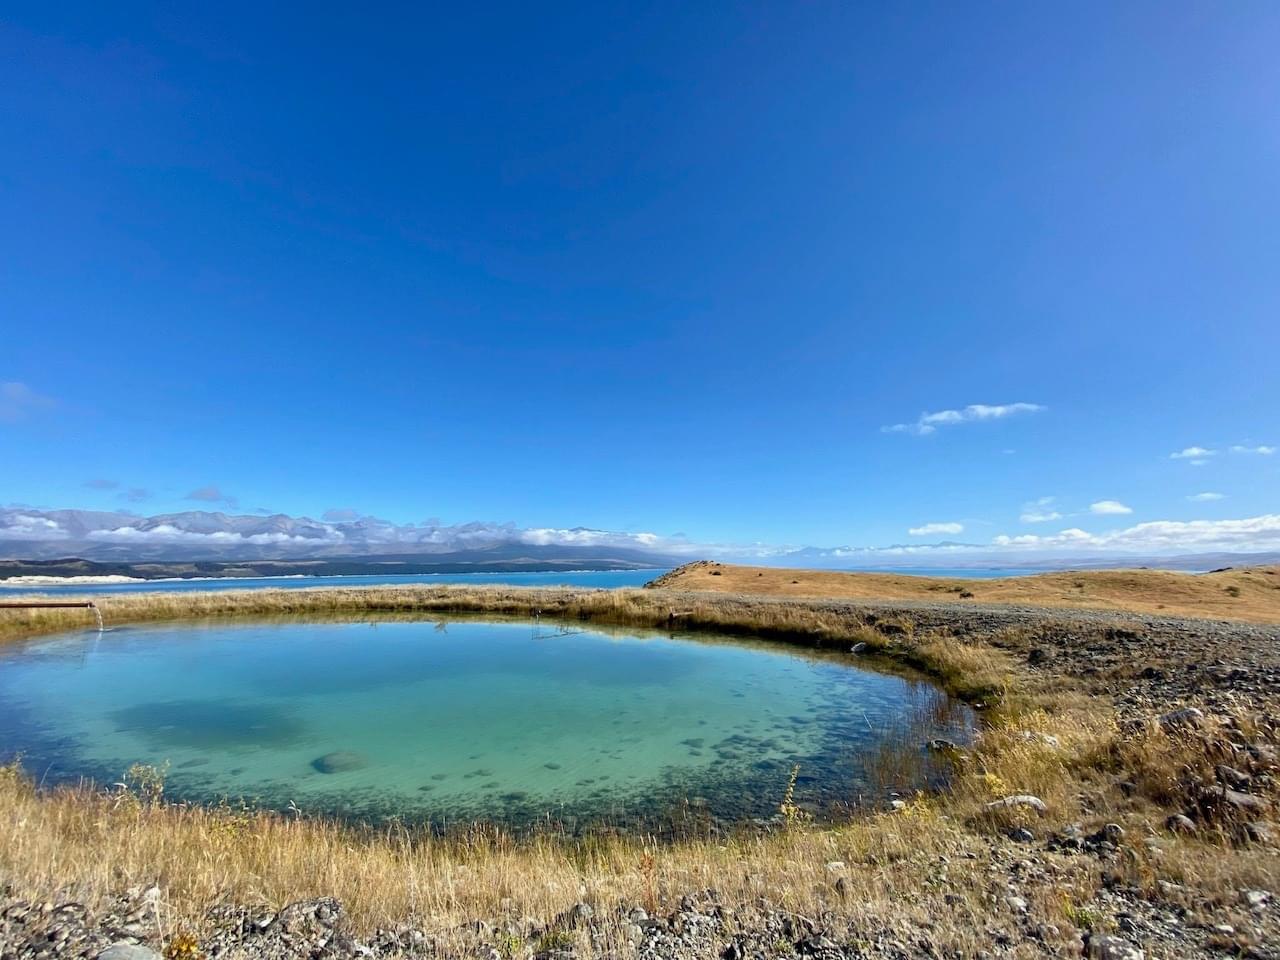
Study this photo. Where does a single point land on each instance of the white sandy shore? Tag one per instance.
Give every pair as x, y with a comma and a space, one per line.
115, 578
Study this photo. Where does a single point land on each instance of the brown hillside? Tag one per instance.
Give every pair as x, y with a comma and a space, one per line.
1244, 593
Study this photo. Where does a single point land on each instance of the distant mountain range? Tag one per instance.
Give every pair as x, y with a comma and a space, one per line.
203, 543
212, 537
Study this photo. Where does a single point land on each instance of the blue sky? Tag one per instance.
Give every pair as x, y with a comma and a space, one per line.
669, 268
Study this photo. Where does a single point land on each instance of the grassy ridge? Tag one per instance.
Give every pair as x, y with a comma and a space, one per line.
1244, 593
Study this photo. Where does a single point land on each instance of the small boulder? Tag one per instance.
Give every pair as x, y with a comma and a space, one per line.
1019, 800
1180, 823
1113, 948
340, 761
1232, 777
128, 951
1188, 718
1255, 900
1256, 832
1227, 801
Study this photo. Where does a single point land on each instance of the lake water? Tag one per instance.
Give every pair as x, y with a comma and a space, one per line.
567, 578
448, 722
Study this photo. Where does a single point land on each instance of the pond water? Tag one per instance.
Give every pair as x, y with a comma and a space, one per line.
446, 722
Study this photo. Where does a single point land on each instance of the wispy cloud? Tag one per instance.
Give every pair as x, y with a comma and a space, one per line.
340, 514
928, 423
1039, 511
1207, 497
98, 483
934, 529
18, 401
136, 495
212, 494
1260, 450
1109, 508
1196, 456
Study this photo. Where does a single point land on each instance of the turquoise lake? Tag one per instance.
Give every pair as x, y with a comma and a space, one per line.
448, 722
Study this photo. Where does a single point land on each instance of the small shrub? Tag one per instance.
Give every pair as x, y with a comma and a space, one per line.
554, 940
509, 945
791, 813
183, 946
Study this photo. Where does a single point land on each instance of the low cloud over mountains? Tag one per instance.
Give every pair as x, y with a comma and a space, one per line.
198, 534
32, 534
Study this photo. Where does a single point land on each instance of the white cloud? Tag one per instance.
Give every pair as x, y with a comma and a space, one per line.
1109, 507
24, 526
18, 401
1261, 450
584, 537
1206, 497
1196, 456
1164, 536
928, 423
1039, 511
933, 529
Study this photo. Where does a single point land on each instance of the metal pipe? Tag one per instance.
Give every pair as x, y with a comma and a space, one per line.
27, 604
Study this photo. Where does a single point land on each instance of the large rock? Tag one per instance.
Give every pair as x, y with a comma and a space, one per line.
339, 761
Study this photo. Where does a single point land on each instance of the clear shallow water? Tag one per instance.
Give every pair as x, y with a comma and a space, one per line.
504, 721
566, 578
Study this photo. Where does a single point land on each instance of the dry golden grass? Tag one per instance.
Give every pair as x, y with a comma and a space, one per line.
1246, 593
931, 862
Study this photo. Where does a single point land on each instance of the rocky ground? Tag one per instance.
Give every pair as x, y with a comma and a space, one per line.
1186, 674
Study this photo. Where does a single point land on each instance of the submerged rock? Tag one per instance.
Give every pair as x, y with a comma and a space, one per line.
339, 761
